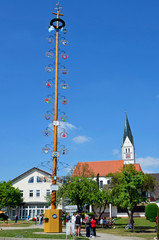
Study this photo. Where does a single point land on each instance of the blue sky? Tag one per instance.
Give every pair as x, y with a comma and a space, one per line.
113, 67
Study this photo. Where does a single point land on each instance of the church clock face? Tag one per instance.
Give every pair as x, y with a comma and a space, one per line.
127, 155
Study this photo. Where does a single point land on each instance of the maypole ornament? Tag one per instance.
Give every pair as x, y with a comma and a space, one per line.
49, 54
48, 100
50, 39
46, 150
64, 42
46, 133
64, 151
64, 56
64, 101
47, 116
49, 83
64, 30
64, 134
64, 85
64, 71
49, 68
64, 118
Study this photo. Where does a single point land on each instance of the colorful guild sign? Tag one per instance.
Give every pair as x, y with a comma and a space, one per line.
63, 134
47, 116
46, 133
56, 123
50, 39
46, 150
64, 71
64, 42
64, 101
64, 56
64, 151
55, 154
48, 84
64, 118
49, 54
49, 69
64, 85
48, 100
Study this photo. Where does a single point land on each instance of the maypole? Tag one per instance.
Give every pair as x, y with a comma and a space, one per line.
53, 216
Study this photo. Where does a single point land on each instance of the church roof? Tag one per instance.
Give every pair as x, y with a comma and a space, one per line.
101, 167
127, 131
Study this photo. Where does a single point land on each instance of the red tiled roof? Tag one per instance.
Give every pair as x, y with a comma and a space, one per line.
101, 167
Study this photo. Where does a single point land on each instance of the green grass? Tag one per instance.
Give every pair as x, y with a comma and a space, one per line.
21, 223
30, 233
143, 228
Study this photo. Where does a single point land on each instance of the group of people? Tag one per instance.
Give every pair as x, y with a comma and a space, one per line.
76, 224
90, 226
107, 222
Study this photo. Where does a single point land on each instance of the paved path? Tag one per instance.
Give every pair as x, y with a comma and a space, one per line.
100, 236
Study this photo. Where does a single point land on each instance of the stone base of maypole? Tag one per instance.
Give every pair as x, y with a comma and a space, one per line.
53, 221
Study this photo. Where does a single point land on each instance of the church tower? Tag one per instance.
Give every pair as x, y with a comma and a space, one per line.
128, 149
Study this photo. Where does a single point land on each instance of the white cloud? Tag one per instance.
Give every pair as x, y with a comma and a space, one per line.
81, 139
63, 125
148, 161
116, 152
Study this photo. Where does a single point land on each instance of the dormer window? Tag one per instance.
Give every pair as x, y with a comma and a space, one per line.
126, 150
31, 180
39, 179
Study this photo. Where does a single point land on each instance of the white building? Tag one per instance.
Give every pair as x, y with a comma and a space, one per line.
35, 185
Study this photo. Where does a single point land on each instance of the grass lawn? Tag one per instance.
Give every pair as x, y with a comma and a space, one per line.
30, 233
21, 223
143, 228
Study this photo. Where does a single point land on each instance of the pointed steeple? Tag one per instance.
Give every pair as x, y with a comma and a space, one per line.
127, 131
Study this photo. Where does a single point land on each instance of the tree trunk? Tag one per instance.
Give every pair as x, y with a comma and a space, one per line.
132, 220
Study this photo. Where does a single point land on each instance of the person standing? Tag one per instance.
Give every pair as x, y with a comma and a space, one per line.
16, 218
93, 226
78, 224
88, 224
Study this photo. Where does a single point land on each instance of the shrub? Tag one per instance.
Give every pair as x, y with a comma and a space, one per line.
91, 214
151, 212
3, 216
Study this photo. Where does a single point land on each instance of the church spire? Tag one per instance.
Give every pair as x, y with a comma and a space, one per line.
128, 150
127, 131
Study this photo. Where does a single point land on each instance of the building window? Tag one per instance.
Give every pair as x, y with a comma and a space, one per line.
100, 184
108, 182
21, 191
37, 193
128, 149
31, 180
47, 192
30, 193
39, 179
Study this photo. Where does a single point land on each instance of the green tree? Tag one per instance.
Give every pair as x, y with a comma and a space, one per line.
79, 191
9, 196
128, 188
100, 200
